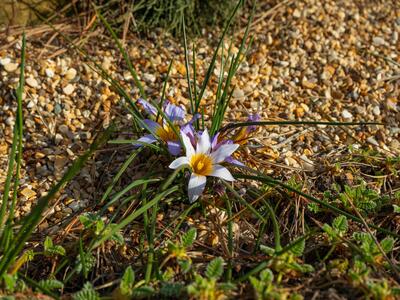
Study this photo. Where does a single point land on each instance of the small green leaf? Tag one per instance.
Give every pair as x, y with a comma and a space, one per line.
10, 281
51, 250
298, 248
215, 268
142, 292
330, 231
267, 276
387, 244
50, 284
314, 207
87, 293
88, 219
185, 265
189, 237
267, 250
127, 281
396, 208
99, 226
340, 224
48, 244
85, 262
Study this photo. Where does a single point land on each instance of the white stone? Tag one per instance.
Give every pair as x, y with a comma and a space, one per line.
5, 61
32, 82
10, 67
69, 89
71, 73
372, 141
49, 73
378, 41
346, 114
376, 111
149, 77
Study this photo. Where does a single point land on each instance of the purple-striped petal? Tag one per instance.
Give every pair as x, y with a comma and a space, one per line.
197, 183
151, 125
174, 147
252, 118
148, 139
223, 152
174, 112
188, 129
147, 106
235, 162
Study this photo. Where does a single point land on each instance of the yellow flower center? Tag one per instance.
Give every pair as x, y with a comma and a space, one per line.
201, 164
166, 133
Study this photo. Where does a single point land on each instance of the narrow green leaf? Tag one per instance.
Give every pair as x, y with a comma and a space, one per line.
215, 268
189, 237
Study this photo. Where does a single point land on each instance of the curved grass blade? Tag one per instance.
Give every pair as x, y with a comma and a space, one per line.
123, 52
30, 222
130, 186
315, 123
133, 216
119, 174
16, 148
273, 182
213, 60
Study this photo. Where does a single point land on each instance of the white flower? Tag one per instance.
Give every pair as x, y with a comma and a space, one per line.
203, 163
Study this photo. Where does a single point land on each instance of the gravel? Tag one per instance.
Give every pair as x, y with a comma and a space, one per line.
313, 60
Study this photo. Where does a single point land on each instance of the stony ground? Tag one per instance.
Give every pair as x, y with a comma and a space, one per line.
310, 60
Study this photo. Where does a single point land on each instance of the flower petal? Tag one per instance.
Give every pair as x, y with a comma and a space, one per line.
223, 152
148, 139
188, 129
222, 172
214, 141
232, 161
196, 186
188, 145
253, 118
151, 125
179, 162
194, 118
174, 112
174, 147
147, 106
203, 143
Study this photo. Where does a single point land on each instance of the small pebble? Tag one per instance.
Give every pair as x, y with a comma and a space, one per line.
71, 73
49, 73
346, 114
378, 41
32, 82
11, 67
69, 89
376, 110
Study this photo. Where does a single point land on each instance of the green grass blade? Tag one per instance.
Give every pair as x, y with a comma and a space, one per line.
165, 87
30, 222
133, 216
119, 174
16, 148
273, 182
314, 123
126, 189
192, 100
214, 58
123, 52
244, 202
